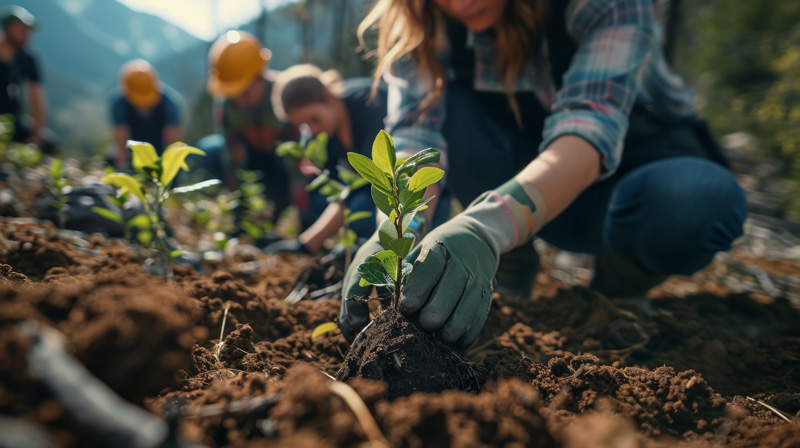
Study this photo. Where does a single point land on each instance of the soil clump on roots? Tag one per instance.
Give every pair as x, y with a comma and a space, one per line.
408, 359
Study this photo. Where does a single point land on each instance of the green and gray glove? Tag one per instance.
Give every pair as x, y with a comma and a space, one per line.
353, 316
454, 265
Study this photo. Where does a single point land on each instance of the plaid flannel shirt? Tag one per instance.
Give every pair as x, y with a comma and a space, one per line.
618, 61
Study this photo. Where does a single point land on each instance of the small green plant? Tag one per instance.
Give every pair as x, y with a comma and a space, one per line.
59, 188
398, 188
152, 185
316, 150
125, 218
253, 206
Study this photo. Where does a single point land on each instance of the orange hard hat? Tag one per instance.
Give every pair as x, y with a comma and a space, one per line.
235, 59
139, 83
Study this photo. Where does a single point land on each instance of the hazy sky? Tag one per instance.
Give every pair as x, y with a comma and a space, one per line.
204, 18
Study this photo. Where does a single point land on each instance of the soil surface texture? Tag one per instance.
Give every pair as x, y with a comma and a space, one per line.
705, 364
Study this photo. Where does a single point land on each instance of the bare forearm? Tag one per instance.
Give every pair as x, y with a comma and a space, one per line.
172, 134
37, 108
562, 172
120, 140
324, 227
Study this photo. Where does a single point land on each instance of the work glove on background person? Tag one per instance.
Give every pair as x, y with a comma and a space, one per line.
291, 246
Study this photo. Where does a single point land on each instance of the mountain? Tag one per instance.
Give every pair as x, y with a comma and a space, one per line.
81, 44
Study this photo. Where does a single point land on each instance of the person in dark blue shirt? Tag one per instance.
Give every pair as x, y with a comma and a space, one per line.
144, 111
19, 68
345, 110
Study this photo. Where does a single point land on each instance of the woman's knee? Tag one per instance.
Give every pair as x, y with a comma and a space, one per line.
673, 215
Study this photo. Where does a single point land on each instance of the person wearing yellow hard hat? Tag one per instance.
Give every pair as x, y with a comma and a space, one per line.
143, 111
248, 130
19, 68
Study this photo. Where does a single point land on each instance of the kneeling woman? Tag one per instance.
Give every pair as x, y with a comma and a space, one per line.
562, 119
345, 110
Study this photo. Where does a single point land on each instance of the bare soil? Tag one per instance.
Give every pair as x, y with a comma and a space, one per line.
566, 368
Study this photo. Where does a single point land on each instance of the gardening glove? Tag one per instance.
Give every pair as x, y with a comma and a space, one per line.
290, 246
353, 316
451, 284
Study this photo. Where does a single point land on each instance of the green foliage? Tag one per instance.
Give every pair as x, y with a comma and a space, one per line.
316, 150
152, 187
59, 187
398, 192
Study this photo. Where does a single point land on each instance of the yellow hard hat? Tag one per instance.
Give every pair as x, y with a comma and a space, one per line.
235, 59
139, 83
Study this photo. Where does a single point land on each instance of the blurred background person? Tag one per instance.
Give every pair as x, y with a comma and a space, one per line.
249, 131
143, 111
17, 68
343, 109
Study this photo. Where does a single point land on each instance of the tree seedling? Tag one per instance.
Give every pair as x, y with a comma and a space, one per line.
316, 150
398, 189
152, 187
59, 188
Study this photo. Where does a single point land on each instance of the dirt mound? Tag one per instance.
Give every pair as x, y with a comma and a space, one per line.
679, 374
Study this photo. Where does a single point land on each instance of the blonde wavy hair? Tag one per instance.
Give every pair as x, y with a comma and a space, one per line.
412, 27
303, 84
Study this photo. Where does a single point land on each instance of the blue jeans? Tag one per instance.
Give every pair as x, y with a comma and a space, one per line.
667, 216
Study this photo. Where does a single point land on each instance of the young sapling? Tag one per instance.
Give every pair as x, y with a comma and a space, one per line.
316, 151
156, 174
59, 188
398, 190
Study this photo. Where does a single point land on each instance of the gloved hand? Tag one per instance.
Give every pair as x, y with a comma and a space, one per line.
291, 246
353, 316
452, 280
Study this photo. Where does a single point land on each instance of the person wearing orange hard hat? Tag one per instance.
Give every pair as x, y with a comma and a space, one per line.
143, 111
248, 130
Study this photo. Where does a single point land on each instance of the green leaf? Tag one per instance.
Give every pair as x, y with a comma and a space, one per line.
175, 254
318, 181
422, 205
374, 273
409, 198
141, 221
317, 150
144, 155
363, 283
381, 201
429, 155
407, 218
389, 262
370, 171
387, 233
56, 168
127, 184
350, 238
383, 152
289, 149
108, 214
174, 158
331, 189
145, 237
347, 175
324, 328
197, 186
251, 229
425, 176
357, 216
402, 246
